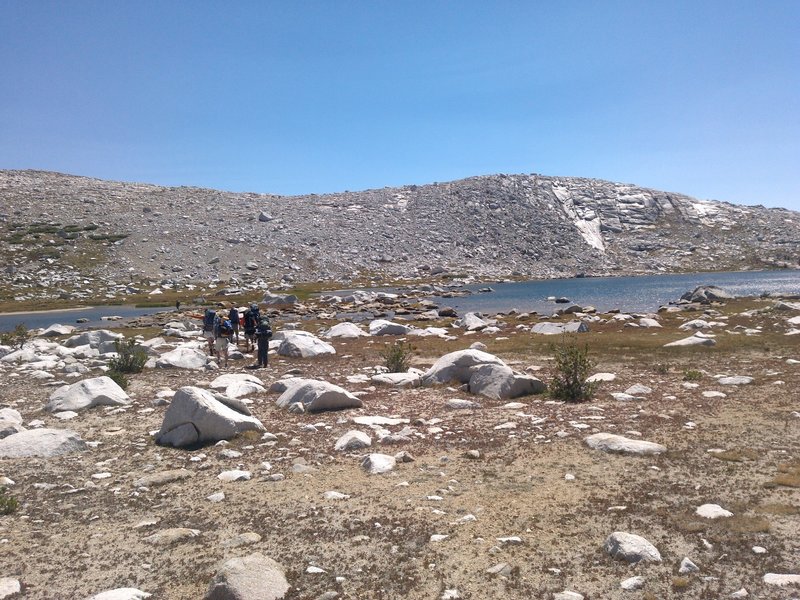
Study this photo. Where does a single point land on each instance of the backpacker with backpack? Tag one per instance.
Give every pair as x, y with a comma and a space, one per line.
251, 319
225, 328
264, 329
208, 319
233, 315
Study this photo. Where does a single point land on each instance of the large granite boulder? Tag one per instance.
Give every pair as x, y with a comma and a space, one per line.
183, 357
547, 328
92, 338
458, 366
196, 416
383, 327
238, 385
609, 442
99, 391
41, 443
631, 548
410, 379
694, 340
315, 395
499, 382
302, 344
10, 422
706, 294
57, 329
253, 577
345, 330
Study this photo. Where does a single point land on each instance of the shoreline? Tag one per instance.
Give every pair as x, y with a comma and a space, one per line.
46, 311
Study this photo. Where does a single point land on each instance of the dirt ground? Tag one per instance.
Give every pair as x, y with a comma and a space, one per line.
75, 535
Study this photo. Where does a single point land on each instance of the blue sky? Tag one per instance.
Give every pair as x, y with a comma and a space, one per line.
294, 97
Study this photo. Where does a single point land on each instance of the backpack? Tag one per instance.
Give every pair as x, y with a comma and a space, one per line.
225, 328
251, 319
208, 319
264, 329
234, 316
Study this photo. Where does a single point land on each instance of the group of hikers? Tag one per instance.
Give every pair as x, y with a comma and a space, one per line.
220, 328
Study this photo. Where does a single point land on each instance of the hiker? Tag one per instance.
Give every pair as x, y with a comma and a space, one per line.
223, 330
251, 318
177, 304
263, 335
233, 316
209, 318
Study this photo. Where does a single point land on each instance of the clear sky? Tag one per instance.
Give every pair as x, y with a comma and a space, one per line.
698, 97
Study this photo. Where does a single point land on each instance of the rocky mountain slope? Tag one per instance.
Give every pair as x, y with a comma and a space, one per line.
66, 235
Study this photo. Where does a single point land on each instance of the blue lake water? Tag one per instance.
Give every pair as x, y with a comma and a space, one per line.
634, 294
95, 314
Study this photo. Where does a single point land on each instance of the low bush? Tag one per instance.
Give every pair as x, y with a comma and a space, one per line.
572, 368
397, 356
130, 358
8, 504
119, 378
692, 375
15, 338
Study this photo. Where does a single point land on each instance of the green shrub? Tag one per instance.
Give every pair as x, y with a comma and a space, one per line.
692, 375
8, 504
572, 368
130, 358
119, 378
15, 338
396, 357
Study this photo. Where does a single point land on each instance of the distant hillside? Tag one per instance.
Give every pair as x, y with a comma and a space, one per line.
67, 235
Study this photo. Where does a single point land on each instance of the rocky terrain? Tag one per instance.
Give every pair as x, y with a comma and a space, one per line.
77, 238
322, 476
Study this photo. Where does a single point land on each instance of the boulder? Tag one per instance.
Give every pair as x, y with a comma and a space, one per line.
57, 329
472, 322
41, 443
382, 327
182, 357
694, 325
546, 328
121, 594
195, 416
499, 382
92, 338
375, 464
9, 587
353, 440
303, 344
631, 548
99, 391
649, 323
253, 577
345, 330
237, 385
735, 380
10, 422
694, 340
712, 511
458, 366
609, 442
315, 395
398, 379
279, 300
706, 294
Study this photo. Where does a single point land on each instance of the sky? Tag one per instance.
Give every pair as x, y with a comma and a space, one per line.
294, 97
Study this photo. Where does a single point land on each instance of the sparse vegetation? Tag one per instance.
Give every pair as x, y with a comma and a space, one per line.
397, 356
119, 378
692, 375
15, 338
130, 357
8, 504
572, 368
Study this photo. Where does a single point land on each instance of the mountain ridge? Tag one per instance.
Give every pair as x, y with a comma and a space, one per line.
483, 227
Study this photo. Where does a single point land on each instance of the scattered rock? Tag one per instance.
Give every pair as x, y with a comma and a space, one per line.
631, 548
609, 442
253, 577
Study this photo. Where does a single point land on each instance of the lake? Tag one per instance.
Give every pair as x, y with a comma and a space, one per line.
95, 314
643, 293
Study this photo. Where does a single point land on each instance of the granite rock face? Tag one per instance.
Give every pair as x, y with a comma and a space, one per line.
529, 226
